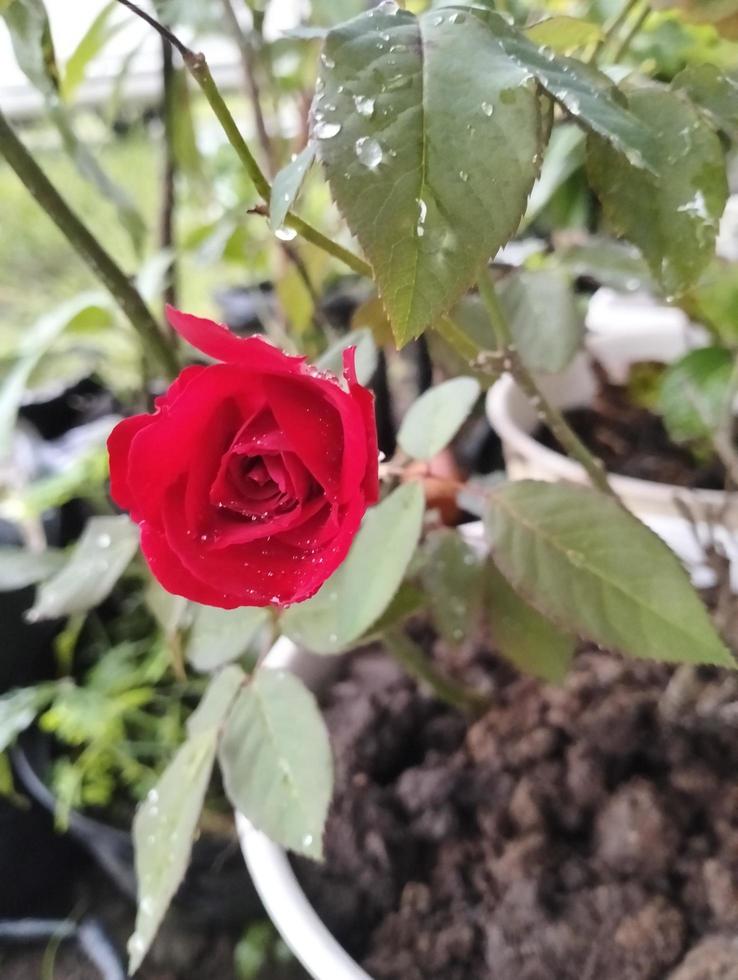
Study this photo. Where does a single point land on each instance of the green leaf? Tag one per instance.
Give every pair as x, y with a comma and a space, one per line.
97, 561
694, 393
563, 33
434, 419
34, 343
429, 135
165, 824
366, 355
93, 41
716, 92
30, 35
452, 580
19, 709
672, 218
714, 301
20, 568
564, 156
588, 565
287, 184
276, 761
543, 316
522, 635
588, 95
219, 636
355, 596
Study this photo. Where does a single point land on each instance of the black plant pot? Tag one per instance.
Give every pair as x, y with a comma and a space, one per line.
217, 890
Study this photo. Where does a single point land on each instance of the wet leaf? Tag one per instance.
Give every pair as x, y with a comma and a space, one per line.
102, 30
20, 568
716, 92
287, 184
521, 634
354, 597
594, 570
434, 419
219, 636
452, 580
165, 824
563, 33
672, 218
429, 135
95, 564
276, 761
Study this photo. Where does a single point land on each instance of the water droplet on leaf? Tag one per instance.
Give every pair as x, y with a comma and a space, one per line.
326, 130
369, 152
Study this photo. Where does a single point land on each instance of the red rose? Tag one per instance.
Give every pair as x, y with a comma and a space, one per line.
251, 478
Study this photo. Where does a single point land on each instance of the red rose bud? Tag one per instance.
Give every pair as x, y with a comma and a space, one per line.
251, 477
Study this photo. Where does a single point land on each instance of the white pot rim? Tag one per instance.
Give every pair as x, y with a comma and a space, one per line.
498, 412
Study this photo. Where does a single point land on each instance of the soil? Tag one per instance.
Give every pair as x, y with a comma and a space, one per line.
633, 441
581, 831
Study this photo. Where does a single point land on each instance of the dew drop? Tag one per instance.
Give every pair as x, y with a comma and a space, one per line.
387, 7
422, 215
487, 108
307, 840
457, 18
463, 175
327, 61
103, 541
326, 130
285, 234
364, 105
437, 21
369, 152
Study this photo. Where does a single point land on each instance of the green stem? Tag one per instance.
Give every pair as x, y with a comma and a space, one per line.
553, 418
631, 34
88, 248
198, 68
610, 29
414, 660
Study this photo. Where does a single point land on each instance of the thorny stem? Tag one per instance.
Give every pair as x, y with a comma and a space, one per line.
414, 660
198, 68
88, 248
512, 362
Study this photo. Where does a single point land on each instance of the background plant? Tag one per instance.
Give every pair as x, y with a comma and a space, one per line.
441, 129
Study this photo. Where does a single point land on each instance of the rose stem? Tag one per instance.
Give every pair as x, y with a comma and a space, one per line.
418, 665
169, 168
611, 29
512, 362
198, 68
88, 248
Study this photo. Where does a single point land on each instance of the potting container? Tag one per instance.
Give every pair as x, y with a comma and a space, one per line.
660, 505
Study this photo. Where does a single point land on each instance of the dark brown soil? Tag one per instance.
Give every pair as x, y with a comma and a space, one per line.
581, 832
632, 441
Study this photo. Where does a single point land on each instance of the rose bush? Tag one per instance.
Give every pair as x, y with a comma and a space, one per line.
251, 477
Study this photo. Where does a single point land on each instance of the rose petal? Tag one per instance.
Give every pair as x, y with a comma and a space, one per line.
119, 448
218, 342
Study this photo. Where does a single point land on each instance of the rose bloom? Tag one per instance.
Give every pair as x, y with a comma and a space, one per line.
250, 479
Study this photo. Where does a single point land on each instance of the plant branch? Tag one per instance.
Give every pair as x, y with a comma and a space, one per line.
631, 34
198, 68
169, 175
246, 52
553, 418
88, 248
610, 29
418, 665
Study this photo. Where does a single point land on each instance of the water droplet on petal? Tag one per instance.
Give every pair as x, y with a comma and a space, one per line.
369, 152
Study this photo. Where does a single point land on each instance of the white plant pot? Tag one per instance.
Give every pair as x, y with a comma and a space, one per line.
656, 504
275, 881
